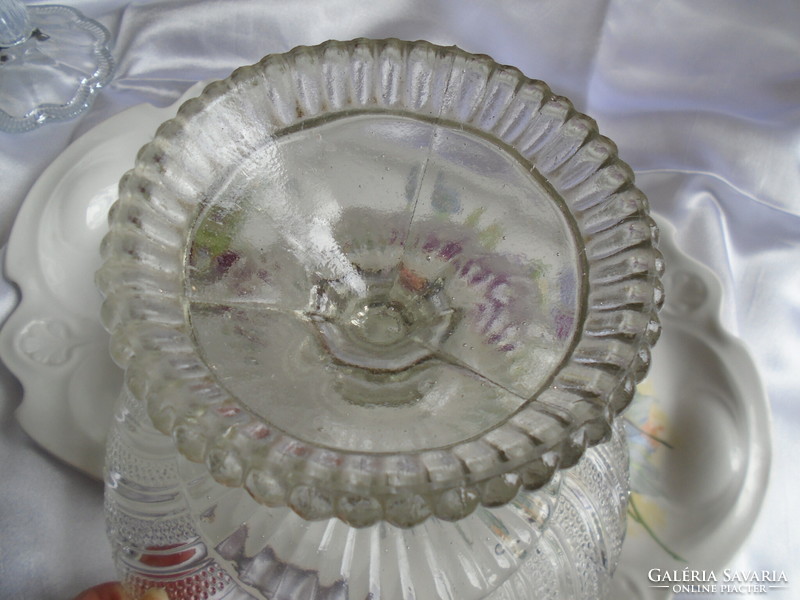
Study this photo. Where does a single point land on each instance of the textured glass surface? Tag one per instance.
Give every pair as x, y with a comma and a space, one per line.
53, 71
379, 290
372, 279
173, 526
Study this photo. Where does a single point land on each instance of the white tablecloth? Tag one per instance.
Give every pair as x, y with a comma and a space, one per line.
701, 96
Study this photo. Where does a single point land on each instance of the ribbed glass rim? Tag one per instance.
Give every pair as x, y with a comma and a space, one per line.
145, 311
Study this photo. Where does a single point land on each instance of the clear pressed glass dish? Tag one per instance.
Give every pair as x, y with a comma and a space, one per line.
380, 284
53, 62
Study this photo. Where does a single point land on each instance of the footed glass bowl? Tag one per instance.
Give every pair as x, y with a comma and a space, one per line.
379, 282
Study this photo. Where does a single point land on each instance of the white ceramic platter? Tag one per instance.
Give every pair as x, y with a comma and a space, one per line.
698, 493
700, 439
53, 342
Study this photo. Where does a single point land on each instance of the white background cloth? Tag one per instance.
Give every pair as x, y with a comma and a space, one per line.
703, 93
